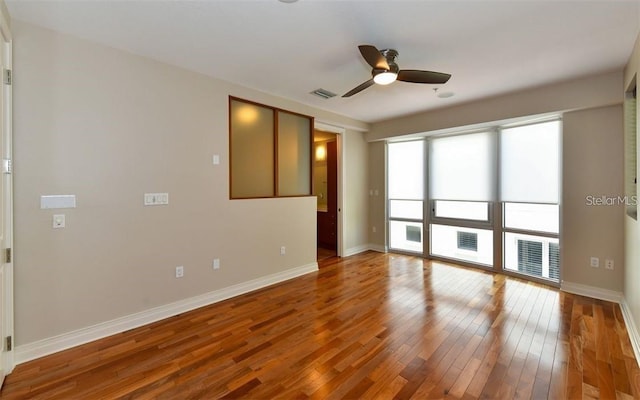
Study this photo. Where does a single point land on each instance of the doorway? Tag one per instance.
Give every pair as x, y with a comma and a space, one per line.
325, 188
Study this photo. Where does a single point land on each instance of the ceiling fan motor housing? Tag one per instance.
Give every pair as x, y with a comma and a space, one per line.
390, 55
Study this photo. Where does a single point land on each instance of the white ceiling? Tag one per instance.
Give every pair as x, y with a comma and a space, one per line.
489, 47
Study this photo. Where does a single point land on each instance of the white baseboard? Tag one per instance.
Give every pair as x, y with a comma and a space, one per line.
613, 296
41, 348
632, 328
378, 248
362, 248
592, 291
355, 250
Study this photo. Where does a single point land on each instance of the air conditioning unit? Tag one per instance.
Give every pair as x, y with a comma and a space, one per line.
413, 234
539, 258
467, 241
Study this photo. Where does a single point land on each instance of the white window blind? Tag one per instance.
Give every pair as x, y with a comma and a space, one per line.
630, 148
529, 169
406, 170
462, 167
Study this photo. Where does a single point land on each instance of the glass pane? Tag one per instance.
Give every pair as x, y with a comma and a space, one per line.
405, 236
532, 255
630, 151
462, 167
532, 217
476, 211
529, 166
294, 155
410, 209
460, 243
406, 170
252, 160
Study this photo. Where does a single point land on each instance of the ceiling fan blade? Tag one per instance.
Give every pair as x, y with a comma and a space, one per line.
359, 88
373, 57
417, 76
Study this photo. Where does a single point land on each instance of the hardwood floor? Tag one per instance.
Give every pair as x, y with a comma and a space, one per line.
368, 326
322, 255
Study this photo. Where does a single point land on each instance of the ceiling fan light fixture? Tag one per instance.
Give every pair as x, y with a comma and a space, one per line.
385, 78
386, 71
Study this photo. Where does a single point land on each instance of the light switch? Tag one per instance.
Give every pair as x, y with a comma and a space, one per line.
58, 221
216, 159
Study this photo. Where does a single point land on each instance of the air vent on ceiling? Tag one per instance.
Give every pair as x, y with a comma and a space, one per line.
325, 94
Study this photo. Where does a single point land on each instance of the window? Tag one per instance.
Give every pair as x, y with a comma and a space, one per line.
406, 209
630, 150
530, 192
461, 185
471, 210
535, 256
493, 197
462, 167
529, 163
406, 236
406, 193
476, 245
532, 217
270, 151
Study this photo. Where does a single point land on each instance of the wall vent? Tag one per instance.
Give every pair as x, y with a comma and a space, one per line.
413, 234
467, 241
325, 94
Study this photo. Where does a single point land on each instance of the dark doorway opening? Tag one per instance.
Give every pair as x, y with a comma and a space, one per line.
325, 174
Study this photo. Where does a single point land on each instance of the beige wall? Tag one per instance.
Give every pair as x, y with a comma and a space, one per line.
632, 227
592, 165
592, 154
593, 91
355, 193
377, 204
108, 126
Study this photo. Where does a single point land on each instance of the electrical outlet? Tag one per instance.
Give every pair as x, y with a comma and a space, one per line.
156, 199
216, 263
608, 264
283, 250
179, 271
595, 262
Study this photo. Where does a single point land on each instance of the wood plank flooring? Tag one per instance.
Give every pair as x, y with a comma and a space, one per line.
371, 326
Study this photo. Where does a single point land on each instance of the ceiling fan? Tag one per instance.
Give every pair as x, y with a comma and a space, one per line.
385, 70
